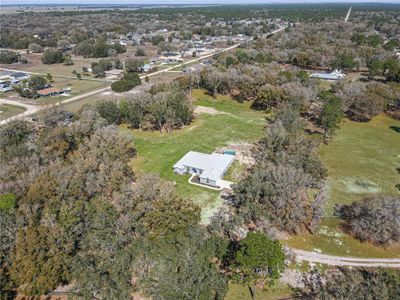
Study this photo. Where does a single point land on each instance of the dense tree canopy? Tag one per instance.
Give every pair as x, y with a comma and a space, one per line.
357, 284
375, 219
258, 260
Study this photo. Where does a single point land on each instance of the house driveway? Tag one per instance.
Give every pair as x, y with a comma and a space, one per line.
224, 184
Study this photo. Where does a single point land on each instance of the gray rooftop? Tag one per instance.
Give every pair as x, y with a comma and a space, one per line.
213, 165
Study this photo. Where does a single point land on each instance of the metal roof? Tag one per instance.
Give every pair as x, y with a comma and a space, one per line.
213, 165
48, 91
19, 75
335, 75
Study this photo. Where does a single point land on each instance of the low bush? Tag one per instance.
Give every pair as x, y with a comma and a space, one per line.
128, 82
375, 219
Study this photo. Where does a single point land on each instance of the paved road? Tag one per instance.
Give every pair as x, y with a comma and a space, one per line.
60, 76
314, 257
32, 109
205, 56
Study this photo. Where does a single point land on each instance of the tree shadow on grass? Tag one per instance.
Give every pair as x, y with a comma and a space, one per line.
395, 128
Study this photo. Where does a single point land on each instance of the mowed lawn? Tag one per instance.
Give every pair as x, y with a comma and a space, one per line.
361, 160
8, 110
77, 87
274, 292
157, 153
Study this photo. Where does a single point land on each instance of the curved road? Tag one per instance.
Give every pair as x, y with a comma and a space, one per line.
313, 257
30, 109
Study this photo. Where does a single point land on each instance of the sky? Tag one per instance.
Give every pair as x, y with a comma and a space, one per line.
19, 2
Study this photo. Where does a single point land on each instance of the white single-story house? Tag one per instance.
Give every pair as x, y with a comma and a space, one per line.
210, 168
335, 75
5, 74
5, 87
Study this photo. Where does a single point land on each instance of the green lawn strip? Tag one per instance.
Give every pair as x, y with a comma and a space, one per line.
157, 153
329, 239
361, 160
74, 106
275, 292
59, 69
8, 110
235, 171
77, 87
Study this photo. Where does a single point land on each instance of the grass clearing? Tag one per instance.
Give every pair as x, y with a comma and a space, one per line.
275, 292
157, 153
77, 87
8, 110
74, 106
361, 160
235, 172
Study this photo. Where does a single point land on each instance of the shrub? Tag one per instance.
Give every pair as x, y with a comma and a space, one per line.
347, 283
375, 219
366, 106
52, 56
128, 82
109, 111
140, 52
35, 48
9, 57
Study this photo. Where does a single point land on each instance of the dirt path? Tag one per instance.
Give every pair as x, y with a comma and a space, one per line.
59, 76
30, 109
313, 257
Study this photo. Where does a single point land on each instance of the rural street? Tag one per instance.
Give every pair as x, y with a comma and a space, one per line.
33, 109
205, 56
313, 257
59, 76
30, 109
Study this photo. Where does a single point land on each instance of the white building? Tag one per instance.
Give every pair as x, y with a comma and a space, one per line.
335, 75
210, 168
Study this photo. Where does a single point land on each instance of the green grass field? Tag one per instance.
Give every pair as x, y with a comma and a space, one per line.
241, 292
157, 152
77, 87
361, 160
7, 111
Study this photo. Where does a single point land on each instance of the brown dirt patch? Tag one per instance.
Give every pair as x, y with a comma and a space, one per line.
206, 110
243, 152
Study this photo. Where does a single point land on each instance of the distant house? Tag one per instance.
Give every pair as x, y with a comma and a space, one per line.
50, 92
171, 57
154, 60
210, 168
5, 87
5, 74
335, 75
148, 68
19, 76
